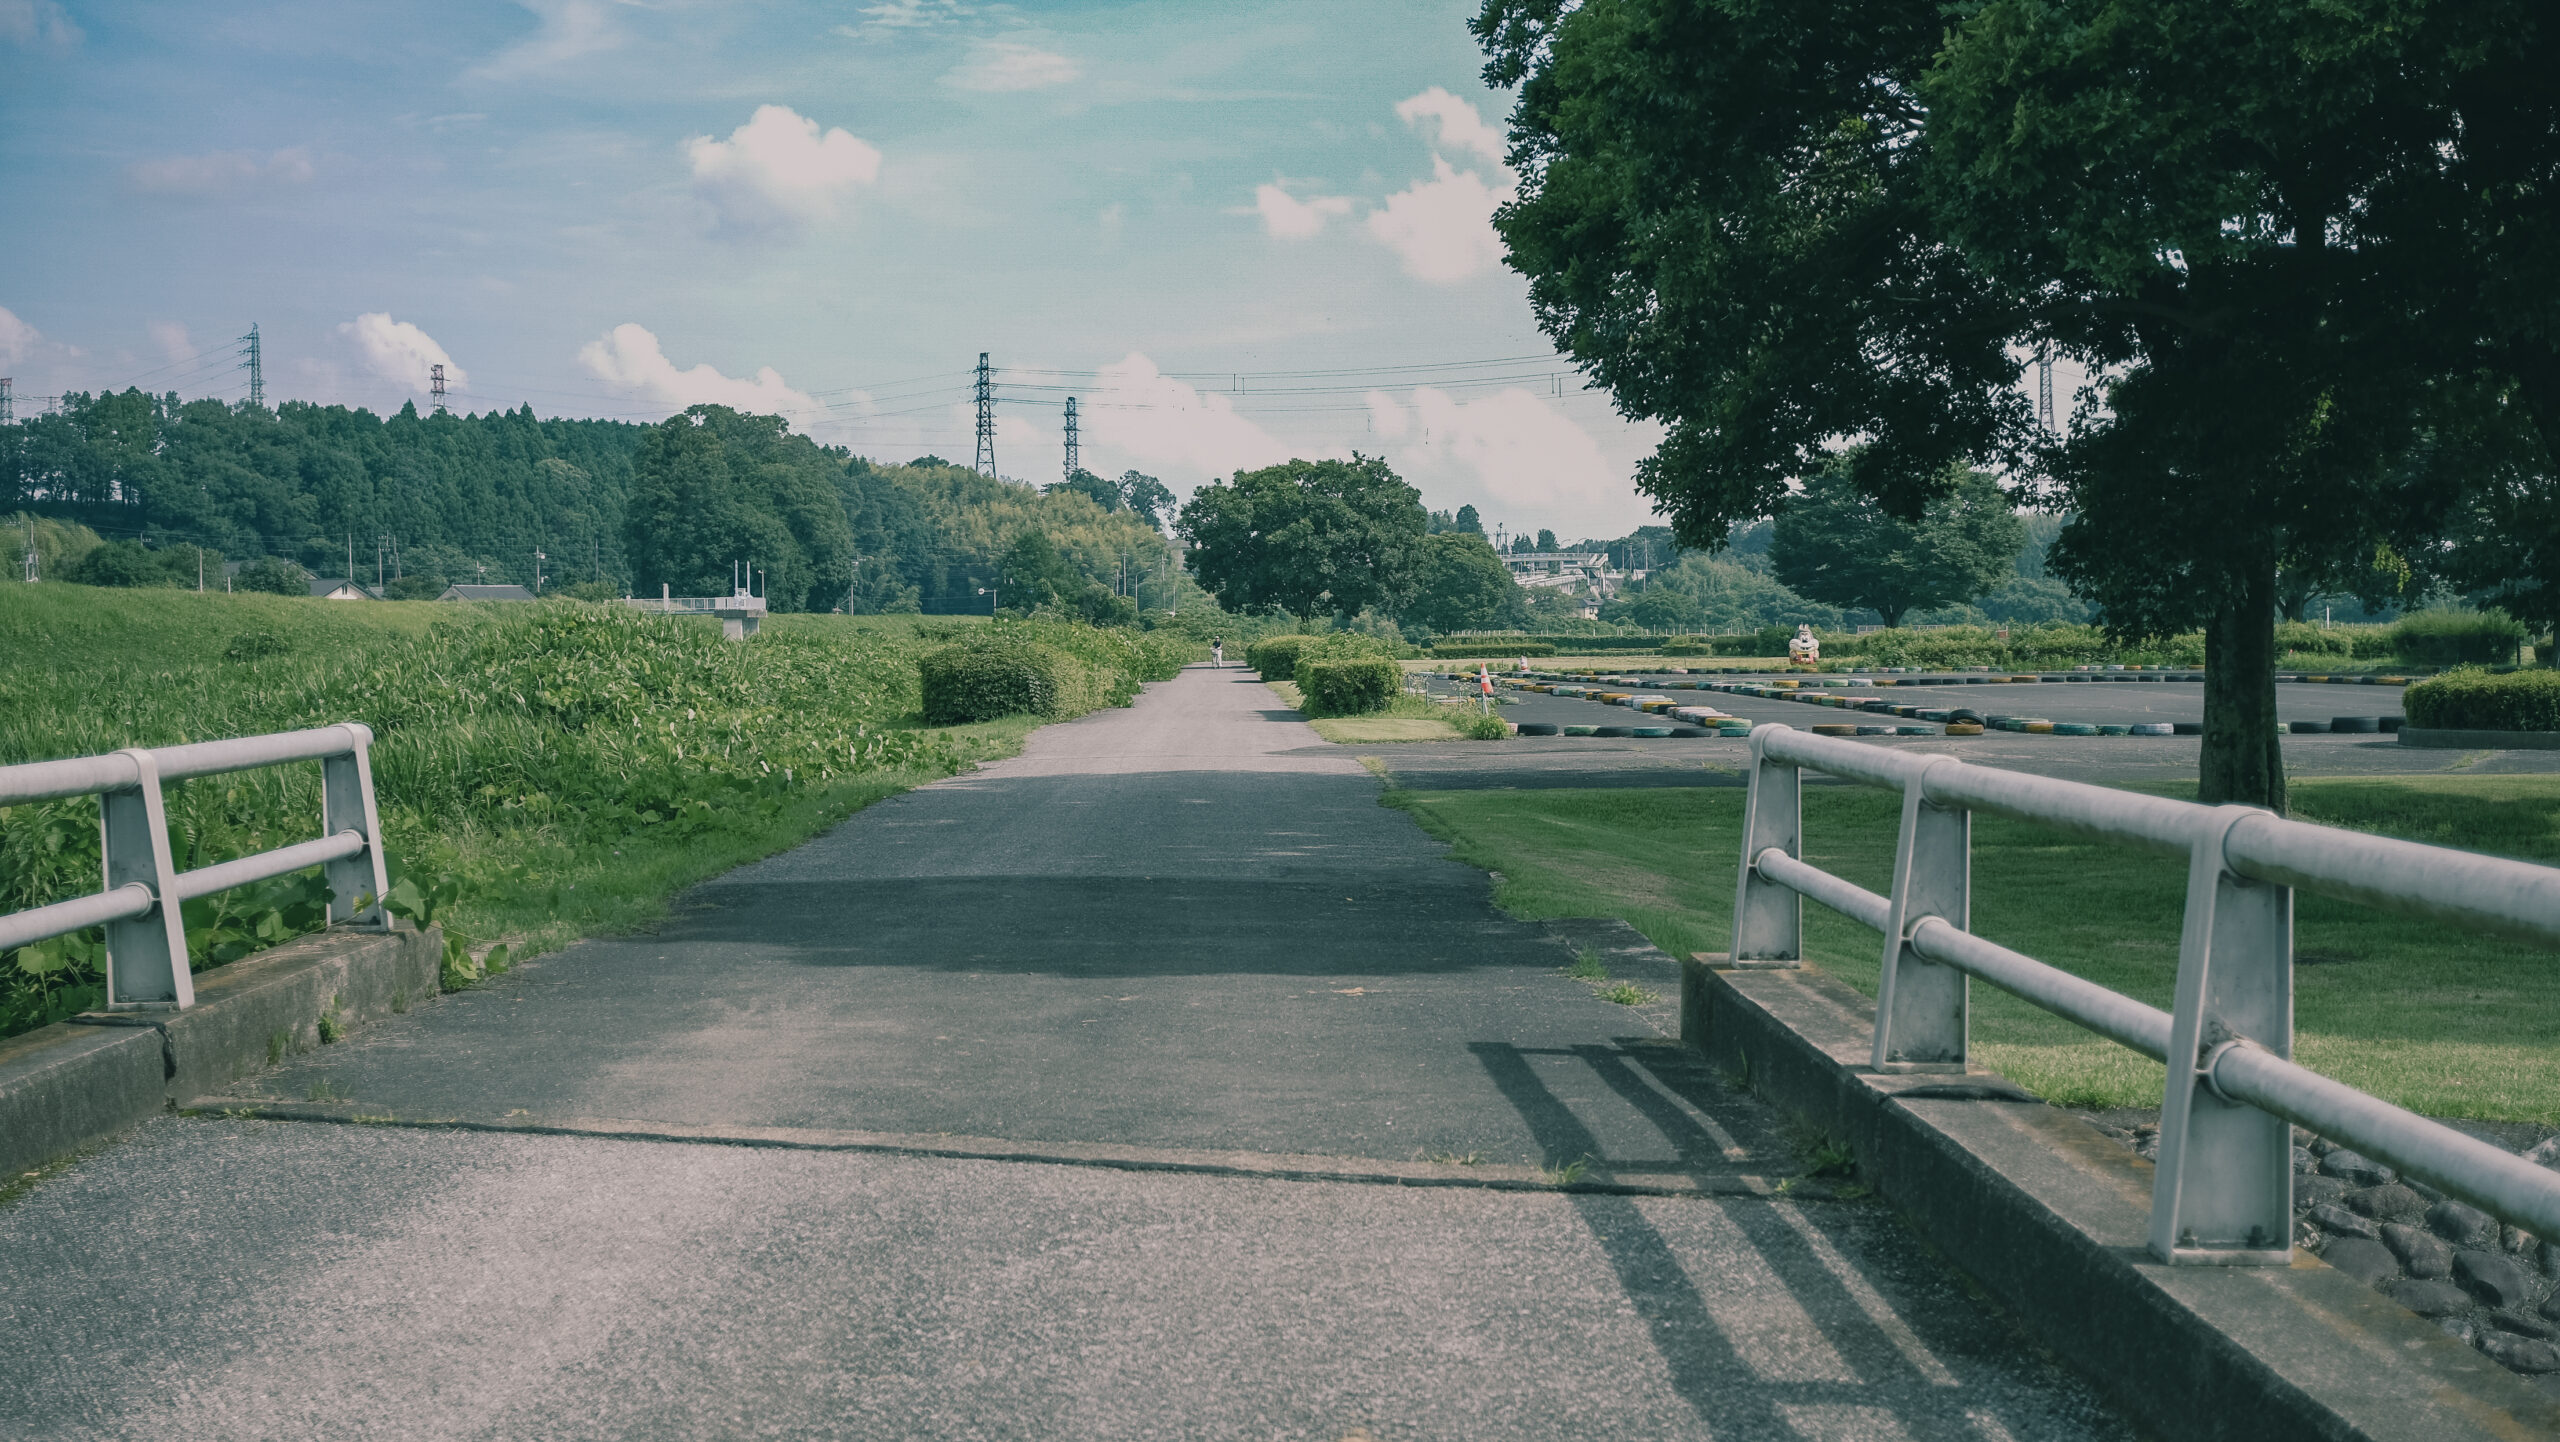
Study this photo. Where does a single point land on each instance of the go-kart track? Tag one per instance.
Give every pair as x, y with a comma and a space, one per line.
2112, 703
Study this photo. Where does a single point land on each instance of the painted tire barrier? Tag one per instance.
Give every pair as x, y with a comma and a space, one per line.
2038, 728
1875, 730
1613, 731
1733, 731
1537, 728
1965, 716
1582, 730
2152, 728
2392, 724
2186, 728
1964, 728
1828, 728
1689, 732
2074, 728
1648, 730
2307, 728
2356, 725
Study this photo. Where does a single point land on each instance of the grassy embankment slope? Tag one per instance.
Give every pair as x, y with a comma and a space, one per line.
2442, 1021
1407, 718
559, 769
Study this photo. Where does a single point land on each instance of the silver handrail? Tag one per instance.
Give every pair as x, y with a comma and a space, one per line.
138, 905
2223, 1192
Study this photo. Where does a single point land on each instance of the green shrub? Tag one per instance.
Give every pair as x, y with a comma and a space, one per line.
982, 679
1279, 657
2446, 637
1359, 687
1276, 657
274, 577
1468, 650
1483, 728
2471, 700
2301, 638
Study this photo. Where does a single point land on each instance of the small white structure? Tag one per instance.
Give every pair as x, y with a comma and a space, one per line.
347, 590
740, 614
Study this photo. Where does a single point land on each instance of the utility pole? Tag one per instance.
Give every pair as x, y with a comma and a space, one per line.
249, 357
1071, 439
435, 386
538, 559
351, 558
986, 463
2044, 386
32, 578
8, 403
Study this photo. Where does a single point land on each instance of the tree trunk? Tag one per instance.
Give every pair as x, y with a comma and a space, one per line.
2242, 758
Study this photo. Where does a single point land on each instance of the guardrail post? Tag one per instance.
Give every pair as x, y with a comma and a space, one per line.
346, 804
1921, 1006
1768, 919
146, 954
2223, 1193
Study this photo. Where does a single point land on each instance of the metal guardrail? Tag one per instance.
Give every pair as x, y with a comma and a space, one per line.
2223, 1192
146, 941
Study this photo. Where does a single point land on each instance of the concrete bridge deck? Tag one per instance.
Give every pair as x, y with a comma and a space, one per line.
1156, 1082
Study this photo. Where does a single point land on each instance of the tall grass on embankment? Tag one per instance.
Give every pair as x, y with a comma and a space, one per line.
555, 769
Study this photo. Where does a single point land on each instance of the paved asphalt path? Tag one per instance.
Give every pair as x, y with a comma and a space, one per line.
1155, 1083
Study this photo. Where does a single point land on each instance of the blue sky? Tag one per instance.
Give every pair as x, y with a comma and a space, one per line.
1175, 212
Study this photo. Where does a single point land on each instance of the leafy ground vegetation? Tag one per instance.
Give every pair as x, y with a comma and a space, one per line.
544, 771
2446, 1023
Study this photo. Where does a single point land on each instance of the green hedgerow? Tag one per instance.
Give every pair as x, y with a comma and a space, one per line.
1362, 687
2472, 700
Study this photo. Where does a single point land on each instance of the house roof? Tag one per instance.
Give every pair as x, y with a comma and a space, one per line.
485, 593
331, 588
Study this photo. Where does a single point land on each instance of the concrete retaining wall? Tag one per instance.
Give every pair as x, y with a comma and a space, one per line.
65, 1086
2049, 1215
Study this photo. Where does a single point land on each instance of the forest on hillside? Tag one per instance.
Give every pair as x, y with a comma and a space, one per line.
607, 505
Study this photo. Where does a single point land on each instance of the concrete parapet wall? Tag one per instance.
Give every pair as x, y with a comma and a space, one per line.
76, 1082
2050, 1216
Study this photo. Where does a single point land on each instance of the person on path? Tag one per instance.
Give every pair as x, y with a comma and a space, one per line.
1217, 653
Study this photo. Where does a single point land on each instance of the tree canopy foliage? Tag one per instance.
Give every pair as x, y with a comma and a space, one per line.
2304, 247
1837, 545
1308, 538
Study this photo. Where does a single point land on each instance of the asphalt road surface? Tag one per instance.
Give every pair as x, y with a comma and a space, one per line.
1156, 1083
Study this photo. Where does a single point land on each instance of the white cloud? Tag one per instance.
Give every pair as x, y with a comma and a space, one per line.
778, 169
400, 352
628, 356
1451, 123
17, 338
1157, 423
37, 22
217, 171
1442, 228
1002, 65
907, 15
1514, 452
1286, 217
172, 339
569, 29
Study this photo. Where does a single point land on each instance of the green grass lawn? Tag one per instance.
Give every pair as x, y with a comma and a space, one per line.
2441, 1021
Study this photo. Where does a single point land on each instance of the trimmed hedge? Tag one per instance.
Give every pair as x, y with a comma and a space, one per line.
1466, 650
2453, 638
980, 680
1278, 657
1362, 687
2482, 701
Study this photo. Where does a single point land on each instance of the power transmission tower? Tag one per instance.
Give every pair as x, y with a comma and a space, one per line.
986, 418
257, 367
1071, 438
435, 386
2044, 386
8, 402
